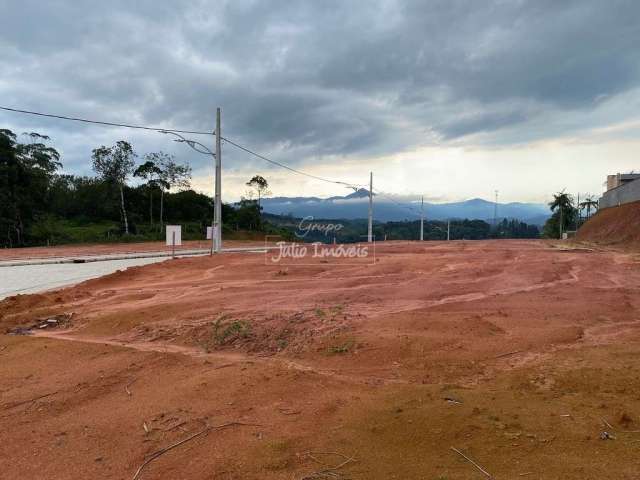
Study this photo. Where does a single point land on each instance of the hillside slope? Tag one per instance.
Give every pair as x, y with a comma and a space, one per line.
618, 226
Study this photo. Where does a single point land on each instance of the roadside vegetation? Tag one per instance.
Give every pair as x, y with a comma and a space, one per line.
39, 205
133, 196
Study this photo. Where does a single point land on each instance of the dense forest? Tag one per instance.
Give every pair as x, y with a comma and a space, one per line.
132, 196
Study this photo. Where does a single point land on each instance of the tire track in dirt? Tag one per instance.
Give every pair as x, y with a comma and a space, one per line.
475, 296
228, 359
233, 358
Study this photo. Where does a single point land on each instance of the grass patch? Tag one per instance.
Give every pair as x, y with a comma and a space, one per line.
225, 334
341, 348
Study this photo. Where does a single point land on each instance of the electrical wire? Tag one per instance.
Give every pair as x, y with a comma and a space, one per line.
355, 187
262, 157
164, 130
97, 122
389, 197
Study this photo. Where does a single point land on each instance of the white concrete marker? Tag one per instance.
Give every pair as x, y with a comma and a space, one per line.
174, 235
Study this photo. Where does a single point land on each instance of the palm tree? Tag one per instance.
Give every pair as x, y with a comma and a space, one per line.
589, 203
563, 204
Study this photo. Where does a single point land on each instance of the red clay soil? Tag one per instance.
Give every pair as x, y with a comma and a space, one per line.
615, 226
521, 355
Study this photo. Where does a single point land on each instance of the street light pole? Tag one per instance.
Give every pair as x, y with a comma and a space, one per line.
216, 227
217, 213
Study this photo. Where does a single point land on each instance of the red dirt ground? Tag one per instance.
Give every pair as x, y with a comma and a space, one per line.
615, 226
519, 354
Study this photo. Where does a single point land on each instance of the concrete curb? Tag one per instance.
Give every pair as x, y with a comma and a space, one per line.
107, 258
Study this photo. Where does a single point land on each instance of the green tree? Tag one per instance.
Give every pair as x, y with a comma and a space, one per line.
563, 216
589, 203
25, 173
171, 175
114, 165
150, 172
247, 215
261, 186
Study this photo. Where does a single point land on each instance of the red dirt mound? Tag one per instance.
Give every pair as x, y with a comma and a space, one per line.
619, 226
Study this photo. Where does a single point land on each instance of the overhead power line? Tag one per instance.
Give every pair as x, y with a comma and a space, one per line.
97, 122
262, 157
193, 132
403, 205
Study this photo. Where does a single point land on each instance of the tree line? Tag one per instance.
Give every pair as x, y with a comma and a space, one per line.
39, 205
353, 230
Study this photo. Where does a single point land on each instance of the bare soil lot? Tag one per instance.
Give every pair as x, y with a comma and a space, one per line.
519, 354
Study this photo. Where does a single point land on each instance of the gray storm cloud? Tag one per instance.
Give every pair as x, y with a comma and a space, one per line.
311, 79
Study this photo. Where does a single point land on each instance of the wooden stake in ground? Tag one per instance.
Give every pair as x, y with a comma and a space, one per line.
486, 474
329, 472
126, 387
164, 450
31, 400
508, 354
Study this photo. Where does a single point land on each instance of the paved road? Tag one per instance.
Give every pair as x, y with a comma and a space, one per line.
38, 275
122, 256
38, 278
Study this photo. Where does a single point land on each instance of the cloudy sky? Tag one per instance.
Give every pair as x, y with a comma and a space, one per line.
450, 99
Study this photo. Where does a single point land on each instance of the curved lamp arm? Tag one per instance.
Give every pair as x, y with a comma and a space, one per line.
191, 143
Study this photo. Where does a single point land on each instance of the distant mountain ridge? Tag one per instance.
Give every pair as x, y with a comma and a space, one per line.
355, 205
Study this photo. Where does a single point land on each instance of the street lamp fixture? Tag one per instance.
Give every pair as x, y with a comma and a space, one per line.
216, 227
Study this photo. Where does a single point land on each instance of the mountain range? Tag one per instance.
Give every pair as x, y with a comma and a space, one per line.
356, 204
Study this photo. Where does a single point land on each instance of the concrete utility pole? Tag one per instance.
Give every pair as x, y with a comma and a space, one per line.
217, 213
448, 230
201, 148
422, 219
370, 232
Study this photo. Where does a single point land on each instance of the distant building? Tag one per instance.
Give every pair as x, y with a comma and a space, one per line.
615, 181
621, 188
